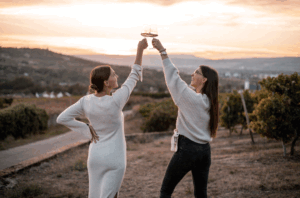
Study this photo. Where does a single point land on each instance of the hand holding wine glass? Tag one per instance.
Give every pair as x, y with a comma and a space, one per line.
157, 45
149, 31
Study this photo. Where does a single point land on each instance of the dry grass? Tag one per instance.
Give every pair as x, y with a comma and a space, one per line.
51, 105
239, 169
57, 105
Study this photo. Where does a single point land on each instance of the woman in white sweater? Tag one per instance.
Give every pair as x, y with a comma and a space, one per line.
197, 123
107, 157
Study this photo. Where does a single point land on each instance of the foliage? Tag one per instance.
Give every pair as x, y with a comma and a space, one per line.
278, 113
250, 102
27, 190
80, 165
288, 85
231, 111
152, 95
21, 120
8, 101
273, 118
4, 102
159, 116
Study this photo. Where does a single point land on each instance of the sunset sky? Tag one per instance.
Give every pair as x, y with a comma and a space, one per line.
214, 29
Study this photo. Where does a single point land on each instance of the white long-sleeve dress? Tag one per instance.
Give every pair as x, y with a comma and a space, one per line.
107, 158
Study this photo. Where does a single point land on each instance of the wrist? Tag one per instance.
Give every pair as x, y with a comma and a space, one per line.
161, 50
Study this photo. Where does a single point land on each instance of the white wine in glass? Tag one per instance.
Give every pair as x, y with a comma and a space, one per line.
149, 31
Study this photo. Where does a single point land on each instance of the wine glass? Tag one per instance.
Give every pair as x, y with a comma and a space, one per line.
149, 31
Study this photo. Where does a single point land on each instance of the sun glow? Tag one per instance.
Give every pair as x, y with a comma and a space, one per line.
185, 27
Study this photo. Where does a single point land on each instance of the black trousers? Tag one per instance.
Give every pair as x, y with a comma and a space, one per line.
190, 156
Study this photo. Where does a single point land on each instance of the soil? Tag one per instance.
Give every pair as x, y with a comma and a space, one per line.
238, 169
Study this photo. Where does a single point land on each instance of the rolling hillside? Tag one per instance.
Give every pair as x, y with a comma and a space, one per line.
47, 68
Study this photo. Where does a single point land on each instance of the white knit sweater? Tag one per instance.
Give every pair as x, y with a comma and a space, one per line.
193, 108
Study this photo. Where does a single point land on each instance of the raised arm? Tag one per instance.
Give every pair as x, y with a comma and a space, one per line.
174, 83
122, 95
67, 118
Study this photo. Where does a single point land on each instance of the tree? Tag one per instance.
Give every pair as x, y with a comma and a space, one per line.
277, 116
231, 111
273, 119
23, 82
245, 113
250, 101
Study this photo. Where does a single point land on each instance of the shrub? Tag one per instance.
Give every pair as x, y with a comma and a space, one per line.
159, 116
273, 119
8, 101
231, 111
22, 120
26, 190
153, 95
278, 113
5, 102
80, 165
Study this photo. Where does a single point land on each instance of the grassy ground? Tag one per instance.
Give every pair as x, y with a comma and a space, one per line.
239, 169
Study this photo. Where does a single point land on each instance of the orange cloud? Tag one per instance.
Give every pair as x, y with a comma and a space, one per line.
19, 3
288, 7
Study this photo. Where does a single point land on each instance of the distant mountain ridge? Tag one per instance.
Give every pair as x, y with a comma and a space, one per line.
190, 62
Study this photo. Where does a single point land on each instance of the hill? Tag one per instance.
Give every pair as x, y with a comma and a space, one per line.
50, 70
188, 63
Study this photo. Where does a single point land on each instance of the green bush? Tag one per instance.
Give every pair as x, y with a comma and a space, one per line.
152, 95
277, 114
231, 111
22, 120
159, 116
273, 119
146, 109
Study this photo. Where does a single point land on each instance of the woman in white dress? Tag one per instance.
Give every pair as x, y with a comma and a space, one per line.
107, 151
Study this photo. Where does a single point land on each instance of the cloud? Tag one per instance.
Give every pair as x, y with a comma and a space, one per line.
289, 7
240, 54
18, 3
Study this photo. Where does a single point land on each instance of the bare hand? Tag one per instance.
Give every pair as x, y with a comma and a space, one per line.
95, 137
157, 44
142, 44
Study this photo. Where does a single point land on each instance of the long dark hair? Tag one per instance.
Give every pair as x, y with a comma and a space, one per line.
97, 77
211, 89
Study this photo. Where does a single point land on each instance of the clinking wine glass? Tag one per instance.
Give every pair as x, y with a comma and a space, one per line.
149, 31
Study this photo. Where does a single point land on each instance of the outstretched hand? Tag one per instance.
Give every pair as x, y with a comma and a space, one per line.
157, 44
142, 44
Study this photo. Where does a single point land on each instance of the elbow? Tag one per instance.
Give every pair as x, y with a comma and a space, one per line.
59, 120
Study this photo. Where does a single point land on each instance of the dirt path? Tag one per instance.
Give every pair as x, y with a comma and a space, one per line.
239, 169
